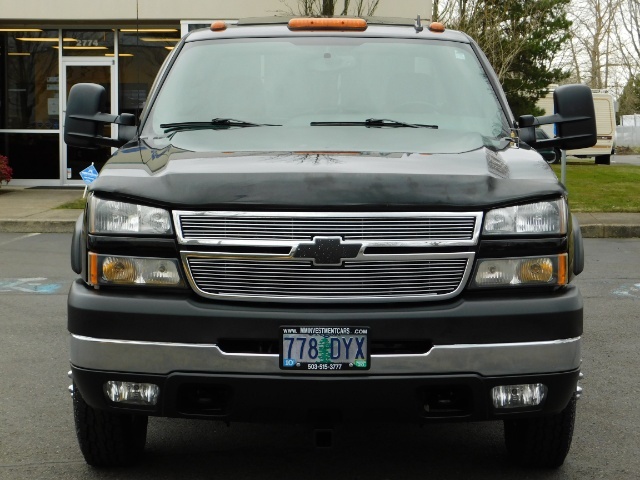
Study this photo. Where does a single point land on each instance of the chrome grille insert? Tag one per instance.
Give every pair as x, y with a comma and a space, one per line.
252, 279
287, 227
327, 257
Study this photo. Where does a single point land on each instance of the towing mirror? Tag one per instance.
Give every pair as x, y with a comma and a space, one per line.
84, 120
575, 120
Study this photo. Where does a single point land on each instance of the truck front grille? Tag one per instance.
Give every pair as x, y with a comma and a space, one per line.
332, 257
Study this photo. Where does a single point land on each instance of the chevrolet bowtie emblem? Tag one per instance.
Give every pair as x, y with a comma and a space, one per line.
327, 250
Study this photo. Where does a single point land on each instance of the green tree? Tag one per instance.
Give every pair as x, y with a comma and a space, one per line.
520, 38
629, 101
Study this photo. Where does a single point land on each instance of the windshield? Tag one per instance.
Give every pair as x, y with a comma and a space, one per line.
304, 92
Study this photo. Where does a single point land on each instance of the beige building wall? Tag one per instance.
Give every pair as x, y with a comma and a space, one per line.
30, 11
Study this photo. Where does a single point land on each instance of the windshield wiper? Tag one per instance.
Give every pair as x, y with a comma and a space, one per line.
373, 122
216, 124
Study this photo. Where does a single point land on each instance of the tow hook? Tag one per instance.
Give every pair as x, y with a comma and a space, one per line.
578, 387
70, 375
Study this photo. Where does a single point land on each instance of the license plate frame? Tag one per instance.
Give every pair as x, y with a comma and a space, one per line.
324, 349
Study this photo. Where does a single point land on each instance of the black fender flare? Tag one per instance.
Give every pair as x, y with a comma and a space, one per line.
578, 246
76, 245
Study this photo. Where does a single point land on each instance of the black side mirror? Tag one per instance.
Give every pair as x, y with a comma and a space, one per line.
577, 126
527, 134
127, 131
575, 118
84, 120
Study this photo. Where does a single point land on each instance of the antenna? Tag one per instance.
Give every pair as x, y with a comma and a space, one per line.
137, 50
418, 26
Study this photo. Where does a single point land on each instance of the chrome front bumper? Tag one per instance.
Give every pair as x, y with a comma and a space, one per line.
486, 360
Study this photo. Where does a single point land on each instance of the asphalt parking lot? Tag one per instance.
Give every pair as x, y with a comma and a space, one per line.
37, 438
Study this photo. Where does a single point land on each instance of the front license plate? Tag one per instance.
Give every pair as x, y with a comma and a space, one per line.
324, 348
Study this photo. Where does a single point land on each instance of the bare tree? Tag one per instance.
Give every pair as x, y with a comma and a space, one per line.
364, 8
594, 44
330, 7
628, 35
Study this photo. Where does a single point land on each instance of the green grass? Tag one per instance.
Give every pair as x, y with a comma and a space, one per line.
602, 188
79, 204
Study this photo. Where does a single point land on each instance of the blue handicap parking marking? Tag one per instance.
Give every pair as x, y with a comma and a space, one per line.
631, 291
29, 285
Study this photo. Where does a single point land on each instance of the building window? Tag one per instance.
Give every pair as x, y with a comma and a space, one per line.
141, 53
29, 81
29, 102
32, 155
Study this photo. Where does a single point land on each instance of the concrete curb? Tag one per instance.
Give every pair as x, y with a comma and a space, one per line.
37, 226
610, 231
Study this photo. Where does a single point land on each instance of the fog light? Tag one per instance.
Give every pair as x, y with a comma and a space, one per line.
132, 393
513, 396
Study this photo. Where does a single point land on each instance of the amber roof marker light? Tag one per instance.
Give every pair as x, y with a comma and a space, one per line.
306, 23
218, 26
436, 27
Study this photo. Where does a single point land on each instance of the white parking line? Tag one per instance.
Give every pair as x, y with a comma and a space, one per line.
19, 238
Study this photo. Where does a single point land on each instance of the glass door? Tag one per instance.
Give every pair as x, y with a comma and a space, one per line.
86, 70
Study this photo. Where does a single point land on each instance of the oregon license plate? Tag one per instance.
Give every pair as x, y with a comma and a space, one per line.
324, 348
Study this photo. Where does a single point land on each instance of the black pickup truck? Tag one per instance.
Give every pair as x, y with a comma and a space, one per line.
326, 220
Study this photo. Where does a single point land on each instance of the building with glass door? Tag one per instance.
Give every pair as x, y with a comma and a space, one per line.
47, 47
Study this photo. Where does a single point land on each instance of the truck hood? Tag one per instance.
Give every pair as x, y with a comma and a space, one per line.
478, 179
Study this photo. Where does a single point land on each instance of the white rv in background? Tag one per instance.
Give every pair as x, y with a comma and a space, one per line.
605, 107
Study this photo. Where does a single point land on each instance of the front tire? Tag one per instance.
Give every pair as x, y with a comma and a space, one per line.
603, 160
108, 439
543, 441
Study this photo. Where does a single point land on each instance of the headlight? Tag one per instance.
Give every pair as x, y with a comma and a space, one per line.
549, 270
109, 216
121, 270
533, 218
